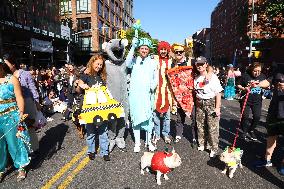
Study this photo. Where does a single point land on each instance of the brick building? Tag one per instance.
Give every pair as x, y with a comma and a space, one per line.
31, 30
96, 21
231, 33
201, 43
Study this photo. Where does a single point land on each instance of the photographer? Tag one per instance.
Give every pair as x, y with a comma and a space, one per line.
252, 82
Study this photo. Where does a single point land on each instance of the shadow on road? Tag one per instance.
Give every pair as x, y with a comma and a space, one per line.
50, 144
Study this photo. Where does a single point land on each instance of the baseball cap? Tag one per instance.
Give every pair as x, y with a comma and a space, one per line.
200, 59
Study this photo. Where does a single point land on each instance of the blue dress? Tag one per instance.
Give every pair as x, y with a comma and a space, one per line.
17, 147
230, 90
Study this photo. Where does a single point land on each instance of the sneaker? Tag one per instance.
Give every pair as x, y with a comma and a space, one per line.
245, 136
178, 138
200, 148
49, 119
263, 163
212, 154
281, 171
151, 147
252, 136
194, 144
167, 140
91, 156
137, 148
106, 157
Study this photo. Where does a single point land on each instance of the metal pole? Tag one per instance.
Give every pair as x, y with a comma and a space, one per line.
251, 32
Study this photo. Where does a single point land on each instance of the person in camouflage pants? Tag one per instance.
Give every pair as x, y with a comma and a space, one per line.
208, 105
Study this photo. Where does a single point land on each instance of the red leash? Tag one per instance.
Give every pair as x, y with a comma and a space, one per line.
243, 109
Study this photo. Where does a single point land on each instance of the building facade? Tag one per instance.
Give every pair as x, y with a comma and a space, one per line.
237, 23
32, 32
96, 21
201, 43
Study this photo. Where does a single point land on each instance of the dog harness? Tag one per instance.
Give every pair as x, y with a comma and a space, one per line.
157, 162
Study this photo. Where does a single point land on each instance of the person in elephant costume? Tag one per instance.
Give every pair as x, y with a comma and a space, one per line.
117, 84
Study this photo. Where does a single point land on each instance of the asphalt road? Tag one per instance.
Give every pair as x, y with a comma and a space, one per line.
63, 162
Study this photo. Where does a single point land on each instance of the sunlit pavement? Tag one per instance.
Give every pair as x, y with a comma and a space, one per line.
63, 162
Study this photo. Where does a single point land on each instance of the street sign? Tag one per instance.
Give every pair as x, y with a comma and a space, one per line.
255, 42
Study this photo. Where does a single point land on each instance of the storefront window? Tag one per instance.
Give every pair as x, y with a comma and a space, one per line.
83, 24
66, 7
83, 6
100, 8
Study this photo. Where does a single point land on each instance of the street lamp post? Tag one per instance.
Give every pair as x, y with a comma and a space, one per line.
251, 32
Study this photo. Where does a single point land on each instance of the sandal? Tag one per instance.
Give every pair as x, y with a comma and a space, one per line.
1, 176
21, 174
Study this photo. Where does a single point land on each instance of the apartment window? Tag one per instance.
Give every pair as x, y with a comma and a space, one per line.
101, 41
83, 6
65, 7
106, 13
100, 8
116, 21
112, 18
85, 43
112, 5
106, 31
83, 24
100, 26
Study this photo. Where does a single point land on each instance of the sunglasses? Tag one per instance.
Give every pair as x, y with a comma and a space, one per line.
179, 52
199, 64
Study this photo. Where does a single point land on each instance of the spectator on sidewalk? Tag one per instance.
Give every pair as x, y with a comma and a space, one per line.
275, 121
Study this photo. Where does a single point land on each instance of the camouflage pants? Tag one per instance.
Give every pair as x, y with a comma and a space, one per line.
207, 124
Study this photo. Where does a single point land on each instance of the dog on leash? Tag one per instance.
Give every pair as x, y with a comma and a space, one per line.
232, 158
160, 162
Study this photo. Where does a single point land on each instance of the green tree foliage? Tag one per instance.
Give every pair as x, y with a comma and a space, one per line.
141, 34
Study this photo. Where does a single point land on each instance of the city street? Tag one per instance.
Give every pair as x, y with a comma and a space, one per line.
63, 162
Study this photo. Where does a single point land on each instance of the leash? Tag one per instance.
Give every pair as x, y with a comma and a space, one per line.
239, 125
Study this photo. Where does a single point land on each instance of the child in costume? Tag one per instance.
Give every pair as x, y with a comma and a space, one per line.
143, 83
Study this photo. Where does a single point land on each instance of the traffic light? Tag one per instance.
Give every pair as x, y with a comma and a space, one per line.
257, 54
121, 33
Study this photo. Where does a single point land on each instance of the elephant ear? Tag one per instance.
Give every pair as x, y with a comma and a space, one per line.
104, 45
124, 42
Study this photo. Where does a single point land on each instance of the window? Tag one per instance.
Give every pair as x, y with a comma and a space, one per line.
66, 7
116, 21
85, 43
100, 8
101, 41
83, 24
83, 6
112, 5
112, 18
106, 13
106, 30
100, 25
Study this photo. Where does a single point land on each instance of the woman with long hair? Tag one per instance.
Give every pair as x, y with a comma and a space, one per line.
11, 111
230, 91
252, 82
95, 75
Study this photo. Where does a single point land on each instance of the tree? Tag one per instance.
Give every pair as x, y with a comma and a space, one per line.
270, 18
141, 33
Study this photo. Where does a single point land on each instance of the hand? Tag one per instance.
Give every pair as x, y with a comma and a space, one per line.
280, 86
218, 111
135, 42
84, 86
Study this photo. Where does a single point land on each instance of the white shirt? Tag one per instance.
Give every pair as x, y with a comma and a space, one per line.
71, 78
209, 89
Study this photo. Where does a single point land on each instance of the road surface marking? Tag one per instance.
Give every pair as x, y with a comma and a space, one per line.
71, 176
64, 169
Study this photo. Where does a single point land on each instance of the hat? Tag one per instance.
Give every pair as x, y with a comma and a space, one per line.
164, 44
177, 47
230, 65
145, 42
200, 59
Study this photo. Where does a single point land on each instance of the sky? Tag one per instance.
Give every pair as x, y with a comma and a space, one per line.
173, 20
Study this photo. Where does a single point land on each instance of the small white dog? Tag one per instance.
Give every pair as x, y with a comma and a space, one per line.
161, 162
232, 159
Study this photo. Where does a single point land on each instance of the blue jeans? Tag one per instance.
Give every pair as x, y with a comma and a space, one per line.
165, 119
101, 131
